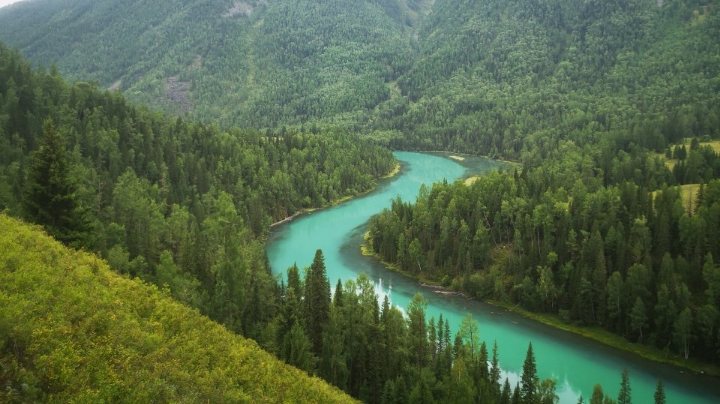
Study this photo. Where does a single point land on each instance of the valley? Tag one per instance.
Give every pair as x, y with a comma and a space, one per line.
202, 148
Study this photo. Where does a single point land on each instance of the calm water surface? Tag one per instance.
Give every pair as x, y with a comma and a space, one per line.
576, 363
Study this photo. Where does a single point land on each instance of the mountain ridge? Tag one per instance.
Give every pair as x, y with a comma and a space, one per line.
462, 76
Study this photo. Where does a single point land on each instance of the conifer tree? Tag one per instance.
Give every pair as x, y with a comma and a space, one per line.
506, 393
516, 398
317, 301
417, 331
293, 279
495, 371
598, 395
482, 362
529, 378
296, 348
49, 192
624, 396
660, 393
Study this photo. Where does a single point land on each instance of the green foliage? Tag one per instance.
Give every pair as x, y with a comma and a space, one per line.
72, 330
253, 63
529, 379
174, 203
495, 78
316, 301
49, 198
591, 226
625, 394
610, 250
660, 393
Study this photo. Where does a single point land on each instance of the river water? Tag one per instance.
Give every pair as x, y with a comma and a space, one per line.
575, 362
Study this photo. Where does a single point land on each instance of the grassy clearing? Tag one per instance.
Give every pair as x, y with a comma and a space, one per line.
670, 163
689, 194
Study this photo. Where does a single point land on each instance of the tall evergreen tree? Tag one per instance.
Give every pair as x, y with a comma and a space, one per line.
417, 331
506, 393
317, 301
516, 396
293, 279
495, 371
49, 192
529, 378
624, 396
660, 393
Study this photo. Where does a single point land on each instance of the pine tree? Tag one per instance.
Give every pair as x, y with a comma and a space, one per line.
638, 318
417, 331
506, 393
338, 295
624, 396
296, 349
598, 395
529, 378
516, 398
49, 193
317, 301
293, 278
333, 366
495, 371
660, 393
482, 363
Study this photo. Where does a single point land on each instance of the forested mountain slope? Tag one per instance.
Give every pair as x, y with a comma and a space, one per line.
469, 76
499, 77
251, 63
72, 330
162, 199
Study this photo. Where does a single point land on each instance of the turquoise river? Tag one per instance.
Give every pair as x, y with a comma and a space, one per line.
575, 362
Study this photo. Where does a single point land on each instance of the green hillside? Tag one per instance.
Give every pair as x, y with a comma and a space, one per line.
250, 63
499, 77
478, 77
163, 199
72, 330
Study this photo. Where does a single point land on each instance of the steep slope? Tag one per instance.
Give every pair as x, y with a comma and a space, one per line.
491, 77
71, 330
251, 63
169, 201
491, 74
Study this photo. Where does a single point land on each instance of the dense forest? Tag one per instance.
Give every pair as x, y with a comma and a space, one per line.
492, 78
72, 330
162, 199
185, 206
611, 217
629, 254
380, 354
249, 63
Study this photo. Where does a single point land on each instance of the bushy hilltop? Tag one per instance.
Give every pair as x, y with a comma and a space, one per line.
72, 330
492, 77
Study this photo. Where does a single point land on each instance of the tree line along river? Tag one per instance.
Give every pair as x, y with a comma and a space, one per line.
576, 363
